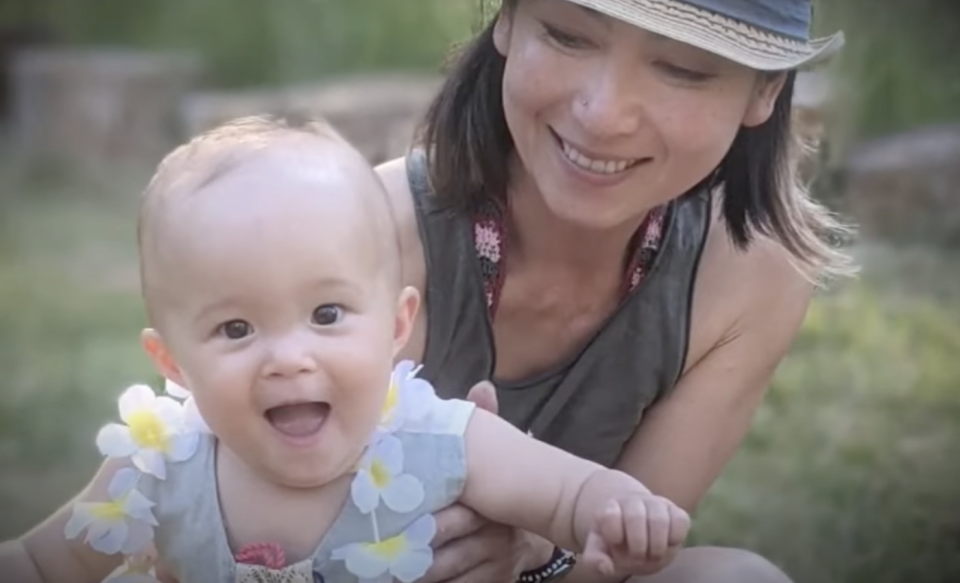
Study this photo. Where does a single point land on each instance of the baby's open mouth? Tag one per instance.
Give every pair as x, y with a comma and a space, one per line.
298, 419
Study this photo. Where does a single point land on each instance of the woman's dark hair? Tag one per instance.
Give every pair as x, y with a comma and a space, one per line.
467, 142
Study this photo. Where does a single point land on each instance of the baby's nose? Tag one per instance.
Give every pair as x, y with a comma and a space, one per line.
290, 357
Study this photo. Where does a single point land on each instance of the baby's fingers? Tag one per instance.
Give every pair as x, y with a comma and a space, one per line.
658, 528
610, 525
679, 526
597, 553
635, 517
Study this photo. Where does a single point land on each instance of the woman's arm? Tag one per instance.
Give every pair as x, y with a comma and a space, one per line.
45, 555
748, 308
724, 384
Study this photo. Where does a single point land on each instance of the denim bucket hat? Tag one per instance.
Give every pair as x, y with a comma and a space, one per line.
767, 35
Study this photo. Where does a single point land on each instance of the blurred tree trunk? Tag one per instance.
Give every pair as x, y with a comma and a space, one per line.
22, 25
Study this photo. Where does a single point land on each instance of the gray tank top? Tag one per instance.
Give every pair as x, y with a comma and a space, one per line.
590, 404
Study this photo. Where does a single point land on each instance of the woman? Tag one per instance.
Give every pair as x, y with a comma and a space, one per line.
601, 220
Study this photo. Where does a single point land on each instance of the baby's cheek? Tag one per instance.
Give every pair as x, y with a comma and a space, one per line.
367, 412
221, 400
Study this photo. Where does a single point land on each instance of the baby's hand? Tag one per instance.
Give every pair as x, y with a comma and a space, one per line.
634, 533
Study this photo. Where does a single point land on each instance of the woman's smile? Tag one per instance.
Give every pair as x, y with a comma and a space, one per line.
595, 163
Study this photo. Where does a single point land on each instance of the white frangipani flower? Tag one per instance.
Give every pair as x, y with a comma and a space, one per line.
409, 401
192, 420
152, 434
405, 557
122, 525
380, 477
174, 390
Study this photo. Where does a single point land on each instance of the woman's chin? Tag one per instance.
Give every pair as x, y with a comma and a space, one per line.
589, 208
586, 215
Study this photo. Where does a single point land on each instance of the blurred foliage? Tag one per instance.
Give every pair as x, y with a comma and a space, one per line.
899, 68
253, 42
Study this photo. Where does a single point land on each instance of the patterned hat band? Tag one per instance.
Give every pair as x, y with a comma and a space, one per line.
736, 39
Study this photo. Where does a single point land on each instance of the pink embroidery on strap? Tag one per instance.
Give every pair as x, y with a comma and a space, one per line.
651, 234
489, 238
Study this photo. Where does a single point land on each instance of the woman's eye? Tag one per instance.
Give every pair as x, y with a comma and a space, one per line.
565, 39
682, 73
236, 329
327, 315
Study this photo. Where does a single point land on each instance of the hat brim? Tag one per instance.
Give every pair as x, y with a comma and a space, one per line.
734, 40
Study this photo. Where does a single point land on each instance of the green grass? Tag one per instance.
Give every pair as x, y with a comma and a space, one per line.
849, 474
69, 319
850, 471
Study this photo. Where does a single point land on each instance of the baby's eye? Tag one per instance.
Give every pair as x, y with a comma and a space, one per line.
235, 329
327, 315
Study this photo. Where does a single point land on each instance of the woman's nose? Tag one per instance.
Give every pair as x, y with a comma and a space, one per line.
609, 104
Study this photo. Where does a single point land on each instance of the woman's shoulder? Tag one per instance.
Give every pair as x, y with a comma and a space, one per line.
740, 290
393, 173
395, 178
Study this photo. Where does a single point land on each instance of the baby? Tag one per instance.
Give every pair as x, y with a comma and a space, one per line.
289, 448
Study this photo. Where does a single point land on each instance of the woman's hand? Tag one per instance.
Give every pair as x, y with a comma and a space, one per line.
470, 549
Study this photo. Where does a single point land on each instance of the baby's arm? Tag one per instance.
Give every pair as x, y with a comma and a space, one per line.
45, 555
517, 480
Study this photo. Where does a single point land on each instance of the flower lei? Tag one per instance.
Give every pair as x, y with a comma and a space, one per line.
162, 429
410, 405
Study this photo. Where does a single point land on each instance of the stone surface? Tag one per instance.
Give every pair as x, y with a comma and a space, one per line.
907, 185
96, 106
377, 113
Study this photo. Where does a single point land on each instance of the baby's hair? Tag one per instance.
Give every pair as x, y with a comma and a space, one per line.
211, 155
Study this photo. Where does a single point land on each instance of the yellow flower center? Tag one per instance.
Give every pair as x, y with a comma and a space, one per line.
109, 511
148, 430
393, 395
379, 474
388, 549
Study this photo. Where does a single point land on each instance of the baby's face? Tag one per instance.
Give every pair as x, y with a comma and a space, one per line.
279, 311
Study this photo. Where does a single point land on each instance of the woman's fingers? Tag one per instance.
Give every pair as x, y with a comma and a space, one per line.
456, 521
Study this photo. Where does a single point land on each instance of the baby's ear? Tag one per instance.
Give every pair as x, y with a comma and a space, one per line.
162, 359
408, 304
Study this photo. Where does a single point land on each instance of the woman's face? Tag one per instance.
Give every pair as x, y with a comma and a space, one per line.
610, 120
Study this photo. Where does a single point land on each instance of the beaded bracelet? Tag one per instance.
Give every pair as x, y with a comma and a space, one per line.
560, 563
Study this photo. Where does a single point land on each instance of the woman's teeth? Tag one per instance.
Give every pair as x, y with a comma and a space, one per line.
598, 166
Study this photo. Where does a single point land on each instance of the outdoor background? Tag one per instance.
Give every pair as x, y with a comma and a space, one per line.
852, 471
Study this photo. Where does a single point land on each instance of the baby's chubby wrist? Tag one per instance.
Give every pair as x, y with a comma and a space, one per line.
538, 552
